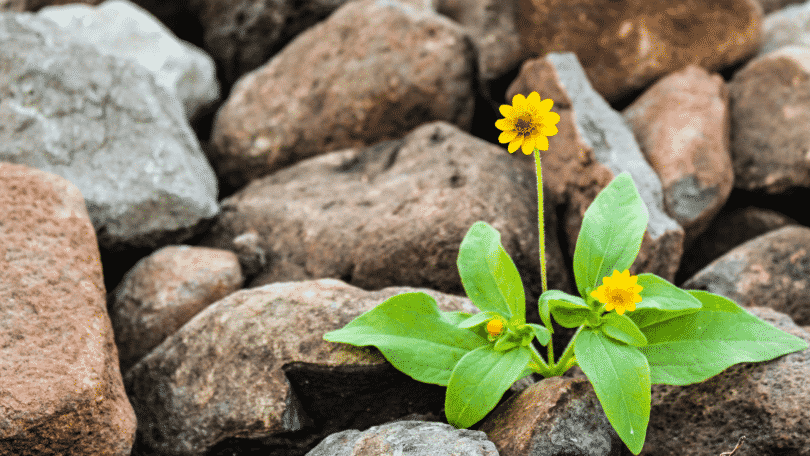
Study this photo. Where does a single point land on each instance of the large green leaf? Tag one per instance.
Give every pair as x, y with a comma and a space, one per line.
479, 381
620, 377
694, 347
554, 299
489, 276
413, 335
622, 329
611, 233
661, 301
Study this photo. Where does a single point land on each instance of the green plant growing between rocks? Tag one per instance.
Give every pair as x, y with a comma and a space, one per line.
658, 334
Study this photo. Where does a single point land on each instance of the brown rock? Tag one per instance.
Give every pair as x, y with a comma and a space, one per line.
35, 5
255, 365
595, 144
769, 6
682, 126
372, 71
392, 214
165, 290
625, 45
770, 142
771, 270
492, 28
728, 230
556, 416
61, 387
763, 401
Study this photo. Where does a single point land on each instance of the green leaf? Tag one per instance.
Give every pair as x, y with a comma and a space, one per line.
505, 343
611, 233
479, 381
456, 317
661, 301
620, 377
622, 328
412, 334
694, 347
489, 276
542, 333
477, 319
553, 298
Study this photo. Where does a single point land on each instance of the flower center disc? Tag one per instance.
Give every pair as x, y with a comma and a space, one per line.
523, 125
620, 297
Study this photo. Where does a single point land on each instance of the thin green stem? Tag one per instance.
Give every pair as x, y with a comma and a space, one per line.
543, 370
542, 239
565, 359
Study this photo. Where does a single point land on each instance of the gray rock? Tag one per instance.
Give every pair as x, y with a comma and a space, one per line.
104, 124
122, 29
407, 438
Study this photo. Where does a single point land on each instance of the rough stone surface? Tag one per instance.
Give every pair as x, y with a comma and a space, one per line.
373, 71
492, 28
625, 45
595, 144
122, 29
255, 364
164, 291
770, 6
771, 270
33, 5
728, 230
786, 27
682, 126
393, 214
763, 401
414, 438
242, 35
554, 417
770, 142
105, 125
60, 386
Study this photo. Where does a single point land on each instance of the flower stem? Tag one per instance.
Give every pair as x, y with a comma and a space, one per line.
542, 239
566, 357
543, 370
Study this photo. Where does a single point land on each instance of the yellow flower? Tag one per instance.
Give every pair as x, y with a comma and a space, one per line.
527, 123
494, 327
620, 291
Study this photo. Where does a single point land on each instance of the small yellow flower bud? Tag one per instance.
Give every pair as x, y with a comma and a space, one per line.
494, 327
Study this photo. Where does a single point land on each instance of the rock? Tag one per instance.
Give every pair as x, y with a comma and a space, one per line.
165, 290
554, 417
33, 5
255, 364
786, 27
371, 72
682, 126
771, 270
122, 29
492, 28
414, 438
61, 387
242, 35
769, 116
728, 230
393, 214
769, 6
625, 45
758, 400
595, 144
104, 124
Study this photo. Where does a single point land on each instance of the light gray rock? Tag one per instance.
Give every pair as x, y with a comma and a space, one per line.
104, 124
411, 438
122, 29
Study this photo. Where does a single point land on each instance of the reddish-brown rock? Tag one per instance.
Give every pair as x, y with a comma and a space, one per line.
165, 290
593, 145
625, 45
372, 71
771, 270
770, 111
682, 126
255, 364
60, 386
392, 214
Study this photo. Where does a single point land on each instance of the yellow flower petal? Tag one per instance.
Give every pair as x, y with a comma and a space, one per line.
518, 101
505, 124
541, 143
507, 111
551, 118
545, 105
507, 136
548, 130
528, 145
515, 144
534, 99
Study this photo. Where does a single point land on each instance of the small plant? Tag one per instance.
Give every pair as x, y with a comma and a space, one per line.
658, 334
